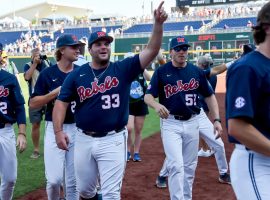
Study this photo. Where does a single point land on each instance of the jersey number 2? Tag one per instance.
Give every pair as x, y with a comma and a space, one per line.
111, 101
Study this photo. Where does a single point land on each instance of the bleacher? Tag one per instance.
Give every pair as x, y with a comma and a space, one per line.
172, 26
235, 22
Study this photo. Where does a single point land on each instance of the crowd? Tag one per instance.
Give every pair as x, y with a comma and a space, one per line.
92, 151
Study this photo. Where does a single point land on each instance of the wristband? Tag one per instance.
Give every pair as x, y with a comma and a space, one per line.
22, 134
217, 120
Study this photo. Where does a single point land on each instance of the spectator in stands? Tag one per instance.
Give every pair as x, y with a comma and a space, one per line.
31, 73
249, 24
9, 66
226, 26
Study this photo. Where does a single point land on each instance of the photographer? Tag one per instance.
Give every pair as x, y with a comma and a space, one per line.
31, 72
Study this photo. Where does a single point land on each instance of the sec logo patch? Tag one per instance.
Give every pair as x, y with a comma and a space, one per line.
240, 102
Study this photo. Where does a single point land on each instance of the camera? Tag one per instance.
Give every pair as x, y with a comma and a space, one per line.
43, 57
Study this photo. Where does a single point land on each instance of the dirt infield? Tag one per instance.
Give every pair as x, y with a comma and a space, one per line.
139, 180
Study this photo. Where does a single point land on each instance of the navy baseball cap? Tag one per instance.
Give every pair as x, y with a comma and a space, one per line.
67, 40
179, 41
1, 47
97, 36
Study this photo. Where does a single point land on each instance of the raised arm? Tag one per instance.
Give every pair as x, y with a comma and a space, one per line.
153, 46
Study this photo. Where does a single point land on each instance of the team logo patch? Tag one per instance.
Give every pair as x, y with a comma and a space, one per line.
4, 92
240, 102
136, 90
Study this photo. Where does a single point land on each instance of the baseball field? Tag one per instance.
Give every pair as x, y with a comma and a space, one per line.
139, 180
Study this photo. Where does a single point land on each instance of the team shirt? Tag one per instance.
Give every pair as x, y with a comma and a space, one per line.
101, 105
48, 80
138, 89
178, 88
11, 100
251, 100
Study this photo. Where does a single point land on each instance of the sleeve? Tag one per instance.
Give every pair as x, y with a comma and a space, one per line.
205, 88
153, 87
242, 100
26, 67
68, 90
41, 86
132, 67
207, 72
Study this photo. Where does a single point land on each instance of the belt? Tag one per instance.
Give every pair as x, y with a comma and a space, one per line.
183, 117
102, 134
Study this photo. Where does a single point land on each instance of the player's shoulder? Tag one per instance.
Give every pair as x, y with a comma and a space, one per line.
4, 75
50, 69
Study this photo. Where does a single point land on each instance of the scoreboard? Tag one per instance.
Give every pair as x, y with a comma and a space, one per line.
181, 3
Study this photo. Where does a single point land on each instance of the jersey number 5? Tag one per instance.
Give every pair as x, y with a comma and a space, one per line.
191, 99
3, 107
111, 101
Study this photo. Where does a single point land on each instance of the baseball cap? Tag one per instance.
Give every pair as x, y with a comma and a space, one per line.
179, 41
4, 54
264, 15
1, 47
99, 35
67, 40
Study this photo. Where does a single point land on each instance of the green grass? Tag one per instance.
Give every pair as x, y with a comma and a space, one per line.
31, 174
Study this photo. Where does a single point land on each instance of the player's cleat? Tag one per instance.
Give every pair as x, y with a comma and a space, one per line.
161, 182
225, 178
136, 157
35, 155
206, 153
128, 156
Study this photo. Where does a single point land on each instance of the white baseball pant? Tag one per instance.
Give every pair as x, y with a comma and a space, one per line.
103, 156
180, 141
206, 130
55, 159
250, 174
8, 162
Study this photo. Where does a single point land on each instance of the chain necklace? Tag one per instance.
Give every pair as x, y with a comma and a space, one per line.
96, 78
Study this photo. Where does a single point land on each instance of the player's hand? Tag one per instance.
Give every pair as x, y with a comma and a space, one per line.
21, 143
62, 140
162, 111
217, 129
159, 14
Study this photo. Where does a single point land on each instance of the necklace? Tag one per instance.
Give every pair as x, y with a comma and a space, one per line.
96, 78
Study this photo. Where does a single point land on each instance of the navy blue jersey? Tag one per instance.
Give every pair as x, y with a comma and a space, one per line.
213, 82
101, 105
248, 91
48, 80
137, 89
178, 88
11, 100
39, 68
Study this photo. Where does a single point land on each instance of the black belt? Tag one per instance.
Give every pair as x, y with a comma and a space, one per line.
101, 134
182, 117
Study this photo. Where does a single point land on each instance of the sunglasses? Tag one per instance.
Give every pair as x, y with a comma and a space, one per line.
179, 48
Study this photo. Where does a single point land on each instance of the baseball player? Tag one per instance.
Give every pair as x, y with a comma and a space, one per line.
206, 128
11, 111
101, 91
45, 92
178, 84
248, 116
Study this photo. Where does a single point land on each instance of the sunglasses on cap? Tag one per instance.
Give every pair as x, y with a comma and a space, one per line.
179, 48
